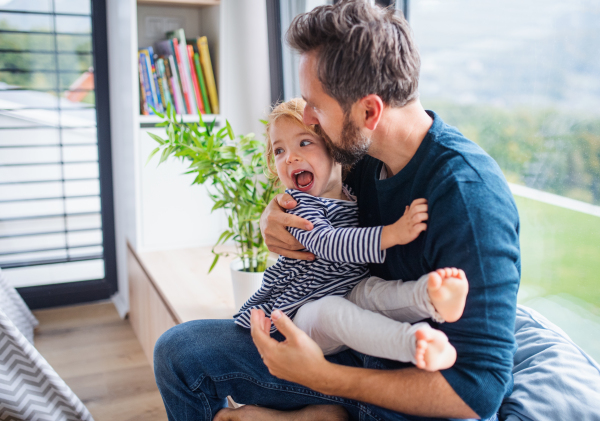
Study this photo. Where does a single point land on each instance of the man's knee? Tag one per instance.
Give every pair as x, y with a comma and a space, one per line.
166, 349
200, 346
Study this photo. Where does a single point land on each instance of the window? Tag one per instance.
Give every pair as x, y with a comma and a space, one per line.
521, 80
55, 187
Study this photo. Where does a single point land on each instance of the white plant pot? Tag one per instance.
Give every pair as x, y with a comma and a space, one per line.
245, 283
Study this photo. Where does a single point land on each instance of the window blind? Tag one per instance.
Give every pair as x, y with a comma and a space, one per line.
50, 207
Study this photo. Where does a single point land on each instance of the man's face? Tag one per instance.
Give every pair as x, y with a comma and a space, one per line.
347, 141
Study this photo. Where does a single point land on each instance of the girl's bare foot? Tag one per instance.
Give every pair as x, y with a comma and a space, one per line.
433, 352
308, 413
448, 289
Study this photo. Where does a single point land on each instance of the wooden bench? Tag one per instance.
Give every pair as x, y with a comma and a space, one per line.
173, 286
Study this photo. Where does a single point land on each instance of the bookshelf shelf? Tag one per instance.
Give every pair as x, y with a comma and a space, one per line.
151, 120
181, 2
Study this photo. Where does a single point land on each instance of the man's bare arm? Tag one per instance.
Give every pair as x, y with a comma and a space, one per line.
299, 359
409, 391
273, 225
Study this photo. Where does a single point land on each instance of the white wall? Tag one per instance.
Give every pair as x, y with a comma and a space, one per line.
122, 48
245, 90
152, 204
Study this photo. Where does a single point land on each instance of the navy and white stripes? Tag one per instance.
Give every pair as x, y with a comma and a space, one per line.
342, 251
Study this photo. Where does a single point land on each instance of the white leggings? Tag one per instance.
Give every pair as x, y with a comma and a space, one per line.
374, 318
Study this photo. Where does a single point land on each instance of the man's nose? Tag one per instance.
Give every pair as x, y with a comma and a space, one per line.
309, 116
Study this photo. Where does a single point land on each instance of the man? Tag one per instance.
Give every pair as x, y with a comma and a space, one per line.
359, 72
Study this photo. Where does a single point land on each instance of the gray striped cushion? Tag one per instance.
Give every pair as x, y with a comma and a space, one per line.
29, 388
15, 308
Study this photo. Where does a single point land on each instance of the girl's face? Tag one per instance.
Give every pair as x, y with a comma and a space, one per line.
302, 160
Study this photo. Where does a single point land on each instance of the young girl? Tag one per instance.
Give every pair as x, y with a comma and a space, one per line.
332, 298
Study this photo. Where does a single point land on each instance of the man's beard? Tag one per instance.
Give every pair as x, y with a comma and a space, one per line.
353, 144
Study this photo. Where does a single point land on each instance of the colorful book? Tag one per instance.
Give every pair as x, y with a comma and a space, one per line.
180, 74
169, 77
185, 86
186, 73
143, 104
190, 50
146, 83
143, 109
209, 76
163, 85
155, 79
201, 83
178, 97
150, 78
166, 49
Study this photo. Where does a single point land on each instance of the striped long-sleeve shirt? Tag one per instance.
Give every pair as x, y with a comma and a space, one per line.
342, 252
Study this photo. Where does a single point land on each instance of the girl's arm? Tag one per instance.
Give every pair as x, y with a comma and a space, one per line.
354, 245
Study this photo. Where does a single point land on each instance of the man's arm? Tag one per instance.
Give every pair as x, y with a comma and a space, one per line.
299, 359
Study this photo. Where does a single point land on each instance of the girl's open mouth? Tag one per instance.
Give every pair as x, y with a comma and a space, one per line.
303, 180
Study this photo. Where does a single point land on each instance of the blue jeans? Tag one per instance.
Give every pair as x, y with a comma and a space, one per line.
199, 363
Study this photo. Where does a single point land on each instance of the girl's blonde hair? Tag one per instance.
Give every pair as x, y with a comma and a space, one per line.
293, 110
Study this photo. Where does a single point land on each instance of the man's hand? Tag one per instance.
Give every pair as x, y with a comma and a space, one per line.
273, 225
298, 359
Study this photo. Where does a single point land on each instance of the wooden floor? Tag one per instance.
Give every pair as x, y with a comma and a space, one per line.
100, 358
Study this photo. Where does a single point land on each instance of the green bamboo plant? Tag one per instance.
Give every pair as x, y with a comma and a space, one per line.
234, 172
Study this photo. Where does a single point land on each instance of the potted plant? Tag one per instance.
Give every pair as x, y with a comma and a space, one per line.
234, 172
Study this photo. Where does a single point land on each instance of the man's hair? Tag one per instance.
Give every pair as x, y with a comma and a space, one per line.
361, 50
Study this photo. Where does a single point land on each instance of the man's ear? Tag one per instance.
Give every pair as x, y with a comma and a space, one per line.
371, 108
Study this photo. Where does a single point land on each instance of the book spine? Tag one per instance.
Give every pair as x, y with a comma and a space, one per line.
153, 88
190, 51
188, 76
143, 105
176, 73
179, 105
208, 74
155, 79
182, 78
205, 100
169, 80
166, 81
162, 87
146, 82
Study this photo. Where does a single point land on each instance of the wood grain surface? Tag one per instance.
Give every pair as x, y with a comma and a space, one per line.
100, 358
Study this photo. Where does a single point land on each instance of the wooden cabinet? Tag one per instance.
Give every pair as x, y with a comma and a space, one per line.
173, 286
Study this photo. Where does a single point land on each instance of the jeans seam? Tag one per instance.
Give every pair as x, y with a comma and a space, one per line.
197, 383
297, 390
207, 408
363, 409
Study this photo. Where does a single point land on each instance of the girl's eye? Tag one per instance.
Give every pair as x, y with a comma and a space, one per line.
305, 143
278, 151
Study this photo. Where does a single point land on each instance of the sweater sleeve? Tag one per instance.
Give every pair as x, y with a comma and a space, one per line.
348, 245
476, 228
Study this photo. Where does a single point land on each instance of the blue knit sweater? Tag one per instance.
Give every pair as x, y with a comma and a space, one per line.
473, 225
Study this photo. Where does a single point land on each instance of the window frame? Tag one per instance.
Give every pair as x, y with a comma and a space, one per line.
69, 293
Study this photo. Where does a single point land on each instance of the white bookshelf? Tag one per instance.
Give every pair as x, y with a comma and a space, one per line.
156, 208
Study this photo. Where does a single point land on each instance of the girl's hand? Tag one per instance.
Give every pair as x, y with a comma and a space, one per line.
407, 228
